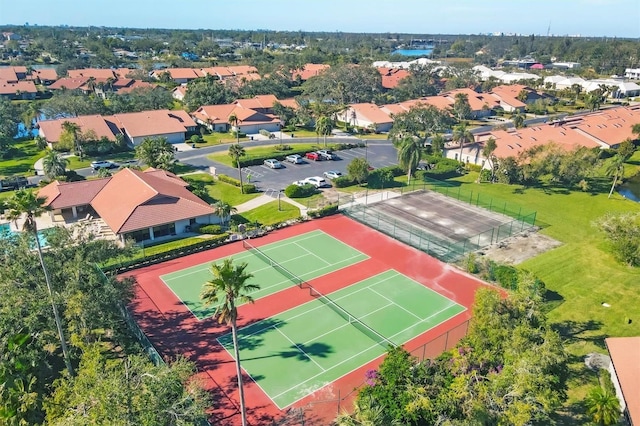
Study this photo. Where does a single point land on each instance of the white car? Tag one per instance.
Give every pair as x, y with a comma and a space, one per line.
316, 181
105, 164
294, 159
273, 163
327, 155
332, 174
299, 183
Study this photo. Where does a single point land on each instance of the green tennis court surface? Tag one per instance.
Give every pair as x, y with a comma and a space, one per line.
306, 256
295, 353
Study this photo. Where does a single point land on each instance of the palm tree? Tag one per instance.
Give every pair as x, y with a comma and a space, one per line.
409, 155
487, 152
229, 284
224, 210
54, 165
462, 135
603, 406
233, 120
615, 169
324, 125
74, 130
635, 129
366, 412
26, 203
236, 151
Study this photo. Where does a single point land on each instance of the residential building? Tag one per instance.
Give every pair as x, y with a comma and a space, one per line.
179, 92
391, 77
24, 90
51, 130
625, 374
632, 73
367, 116
179, 75
69, 83
103, 73
137, 126
142, 206
308, 70
45, 76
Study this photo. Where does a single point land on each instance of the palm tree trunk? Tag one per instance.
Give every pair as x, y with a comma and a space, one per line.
615, 180
234, 334
56, 314
240, 174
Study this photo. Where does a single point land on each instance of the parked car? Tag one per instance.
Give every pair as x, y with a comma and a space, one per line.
103, 164
313, 156
299, 183
332, 174
16, 182
316, 181
273, 163
294, 159
327, 155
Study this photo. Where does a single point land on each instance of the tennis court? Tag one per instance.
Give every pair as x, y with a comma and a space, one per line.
275, 266
297, 352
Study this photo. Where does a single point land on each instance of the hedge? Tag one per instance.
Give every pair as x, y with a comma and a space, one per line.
210, 229
343, 182
325, 211
295, 191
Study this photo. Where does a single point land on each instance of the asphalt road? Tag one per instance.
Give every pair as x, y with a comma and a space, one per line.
379, 153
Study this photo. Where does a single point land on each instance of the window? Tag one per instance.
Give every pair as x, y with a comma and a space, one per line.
164, 230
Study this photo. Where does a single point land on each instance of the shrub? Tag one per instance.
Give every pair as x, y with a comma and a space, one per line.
210, 229
283, 147
295, 191
325, 211
506, 276
265, 132
343, 182
229, 180
249, 188
196, 139
443, 168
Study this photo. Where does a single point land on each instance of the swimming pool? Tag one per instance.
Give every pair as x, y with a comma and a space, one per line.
6, 232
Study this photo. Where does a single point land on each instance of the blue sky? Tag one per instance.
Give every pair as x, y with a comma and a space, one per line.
586, 17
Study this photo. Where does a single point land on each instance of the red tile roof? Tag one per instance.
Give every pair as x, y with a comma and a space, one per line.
258, 102
92, 72
123, 72
69, 83
23, 86
216, 114
52, 129
134, 84
391, 77
45, 74
183, 73
610, 126
134, 200
150, 123
308, 71
62, 195
476, 100
625, 357
508, 94
369, 112
8, 75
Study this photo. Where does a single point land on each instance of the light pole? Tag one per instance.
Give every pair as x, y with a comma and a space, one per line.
366, 151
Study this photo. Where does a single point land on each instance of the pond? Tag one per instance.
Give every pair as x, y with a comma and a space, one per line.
631, 188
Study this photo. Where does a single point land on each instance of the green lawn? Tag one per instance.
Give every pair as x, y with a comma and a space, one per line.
269, 213
581, 272
24, 155
221, 191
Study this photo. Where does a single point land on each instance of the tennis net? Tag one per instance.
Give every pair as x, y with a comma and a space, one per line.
353, 320
284, 271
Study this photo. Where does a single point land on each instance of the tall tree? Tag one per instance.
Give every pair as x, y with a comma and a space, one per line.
234, 121
224, 210
73, 131
25, 203
409, 155
461, 107
156, 152
487, 152
54, 165
236, 152
227, 287
358, 170
324, 125
615, 169
462, 135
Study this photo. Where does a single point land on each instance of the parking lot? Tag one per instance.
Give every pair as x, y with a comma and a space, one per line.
378, 154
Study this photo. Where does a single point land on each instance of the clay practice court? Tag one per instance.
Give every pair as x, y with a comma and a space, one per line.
334, 295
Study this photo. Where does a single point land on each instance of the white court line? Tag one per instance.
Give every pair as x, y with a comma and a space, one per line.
347, 324
399, 306
312, 254
299, 348
361, 352
182, 301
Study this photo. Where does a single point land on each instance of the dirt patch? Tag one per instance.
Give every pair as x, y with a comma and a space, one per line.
517, 249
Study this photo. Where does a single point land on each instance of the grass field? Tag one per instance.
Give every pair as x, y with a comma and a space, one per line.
293, 354
581, 272
24, 155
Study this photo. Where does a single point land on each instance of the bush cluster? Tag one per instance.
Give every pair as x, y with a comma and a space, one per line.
325, 211
210, 229
295, 191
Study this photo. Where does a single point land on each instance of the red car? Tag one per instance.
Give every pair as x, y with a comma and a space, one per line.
313, 156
